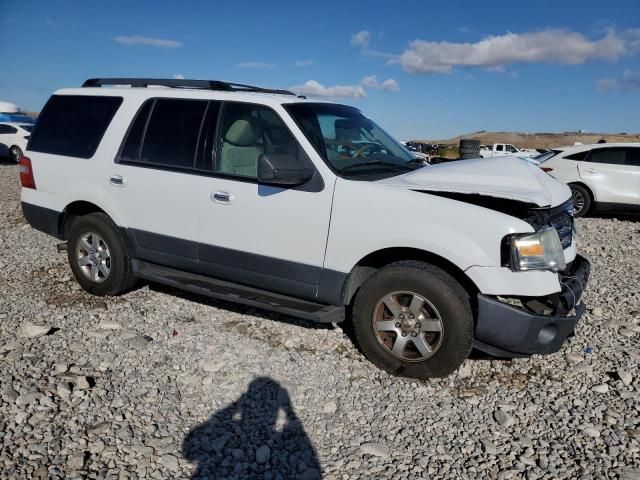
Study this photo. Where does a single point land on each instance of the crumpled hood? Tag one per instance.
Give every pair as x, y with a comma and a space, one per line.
501, 177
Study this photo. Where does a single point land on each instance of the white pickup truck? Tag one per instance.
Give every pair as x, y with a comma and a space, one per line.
499, 149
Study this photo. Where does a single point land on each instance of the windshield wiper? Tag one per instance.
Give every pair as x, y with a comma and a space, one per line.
375, 163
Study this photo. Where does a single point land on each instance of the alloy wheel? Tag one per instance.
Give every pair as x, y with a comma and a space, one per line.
94, 257
578, 201
408, 326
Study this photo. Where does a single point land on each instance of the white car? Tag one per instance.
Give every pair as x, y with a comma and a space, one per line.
13, 139
602, 176
306, 208
501, 149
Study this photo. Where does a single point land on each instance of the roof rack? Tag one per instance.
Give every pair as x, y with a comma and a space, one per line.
180, 83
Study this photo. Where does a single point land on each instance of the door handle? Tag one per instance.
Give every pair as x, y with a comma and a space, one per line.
591, 170
224, 198
117, 180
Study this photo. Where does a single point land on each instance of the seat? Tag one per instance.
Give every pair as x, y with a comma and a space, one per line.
241, 147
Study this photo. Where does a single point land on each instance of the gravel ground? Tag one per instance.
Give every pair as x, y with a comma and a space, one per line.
163, 384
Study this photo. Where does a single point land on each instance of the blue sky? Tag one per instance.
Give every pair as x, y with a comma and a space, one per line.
420, 69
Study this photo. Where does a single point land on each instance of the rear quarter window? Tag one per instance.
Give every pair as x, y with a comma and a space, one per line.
73, 125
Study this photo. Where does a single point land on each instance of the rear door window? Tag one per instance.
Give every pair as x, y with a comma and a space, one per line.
165, 133
633, 157
609, 156
73, 125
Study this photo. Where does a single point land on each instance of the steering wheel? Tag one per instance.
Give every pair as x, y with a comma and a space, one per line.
361, 150
358, 150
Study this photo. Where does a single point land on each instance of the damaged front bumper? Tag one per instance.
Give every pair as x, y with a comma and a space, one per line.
539, 325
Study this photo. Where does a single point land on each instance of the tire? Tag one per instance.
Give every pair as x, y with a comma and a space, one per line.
580, 196
15, 153
96, 234
444, 298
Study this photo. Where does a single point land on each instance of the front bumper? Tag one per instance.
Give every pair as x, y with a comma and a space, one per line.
508, 331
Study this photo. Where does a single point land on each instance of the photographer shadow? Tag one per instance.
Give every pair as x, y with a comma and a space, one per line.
258, 436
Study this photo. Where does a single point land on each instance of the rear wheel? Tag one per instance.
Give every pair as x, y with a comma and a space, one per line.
98, 255
581, 200
413, 319
15, 153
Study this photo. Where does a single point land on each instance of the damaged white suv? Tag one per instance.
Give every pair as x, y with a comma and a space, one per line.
268, 199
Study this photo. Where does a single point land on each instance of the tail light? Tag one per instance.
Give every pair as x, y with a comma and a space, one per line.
26, 173
546, 169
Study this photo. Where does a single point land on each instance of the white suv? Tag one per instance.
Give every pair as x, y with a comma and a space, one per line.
266, 198
603, 176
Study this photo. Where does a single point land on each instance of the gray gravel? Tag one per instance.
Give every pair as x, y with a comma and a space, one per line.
162, 384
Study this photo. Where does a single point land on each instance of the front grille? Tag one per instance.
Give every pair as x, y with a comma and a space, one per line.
563, 223
560, 218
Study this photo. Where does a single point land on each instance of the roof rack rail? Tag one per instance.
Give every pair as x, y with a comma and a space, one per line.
180, 83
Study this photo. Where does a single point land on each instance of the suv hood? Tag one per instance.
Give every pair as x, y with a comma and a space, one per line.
506, 177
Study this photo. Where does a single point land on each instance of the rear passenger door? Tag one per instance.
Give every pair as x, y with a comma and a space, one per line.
609, 173
154, 178
261, 235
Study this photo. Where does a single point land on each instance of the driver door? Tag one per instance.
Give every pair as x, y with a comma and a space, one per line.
265, 236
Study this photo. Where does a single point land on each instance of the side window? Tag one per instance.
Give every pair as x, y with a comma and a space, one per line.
73, 125
510, 148
633, 157
578, 156
248, 131
610, 156
130, 151
4, 129
11, 130
172, 132
499, 148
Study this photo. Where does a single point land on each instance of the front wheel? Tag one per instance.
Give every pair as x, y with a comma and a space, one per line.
98, 255
414, 320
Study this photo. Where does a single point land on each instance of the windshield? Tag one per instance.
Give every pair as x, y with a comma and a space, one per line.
351, 143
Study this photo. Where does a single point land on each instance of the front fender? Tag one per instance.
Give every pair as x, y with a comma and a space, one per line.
368, 217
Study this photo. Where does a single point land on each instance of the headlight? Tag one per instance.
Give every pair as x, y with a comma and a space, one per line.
538, 251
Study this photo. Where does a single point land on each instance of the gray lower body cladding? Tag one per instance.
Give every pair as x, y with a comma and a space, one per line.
507, 331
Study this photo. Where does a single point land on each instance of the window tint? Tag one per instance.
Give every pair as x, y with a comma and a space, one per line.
633, 157
611, 156
578, 156
172, 132
130, 151
248, 131
7, 129
73, 125
205, 153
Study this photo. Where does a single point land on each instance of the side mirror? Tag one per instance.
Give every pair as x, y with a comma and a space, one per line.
282, 169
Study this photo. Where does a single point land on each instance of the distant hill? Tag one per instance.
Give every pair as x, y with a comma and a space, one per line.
539, 140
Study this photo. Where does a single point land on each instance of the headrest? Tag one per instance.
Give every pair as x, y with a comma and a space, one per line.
244, 132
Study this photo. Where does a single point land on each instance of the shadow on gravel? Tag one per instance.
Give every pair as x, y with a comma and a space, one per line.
256, 437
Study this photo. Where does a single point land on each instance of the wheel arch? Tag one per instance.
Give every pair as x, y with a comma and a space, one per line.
76, 209
372, 262
587, 188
